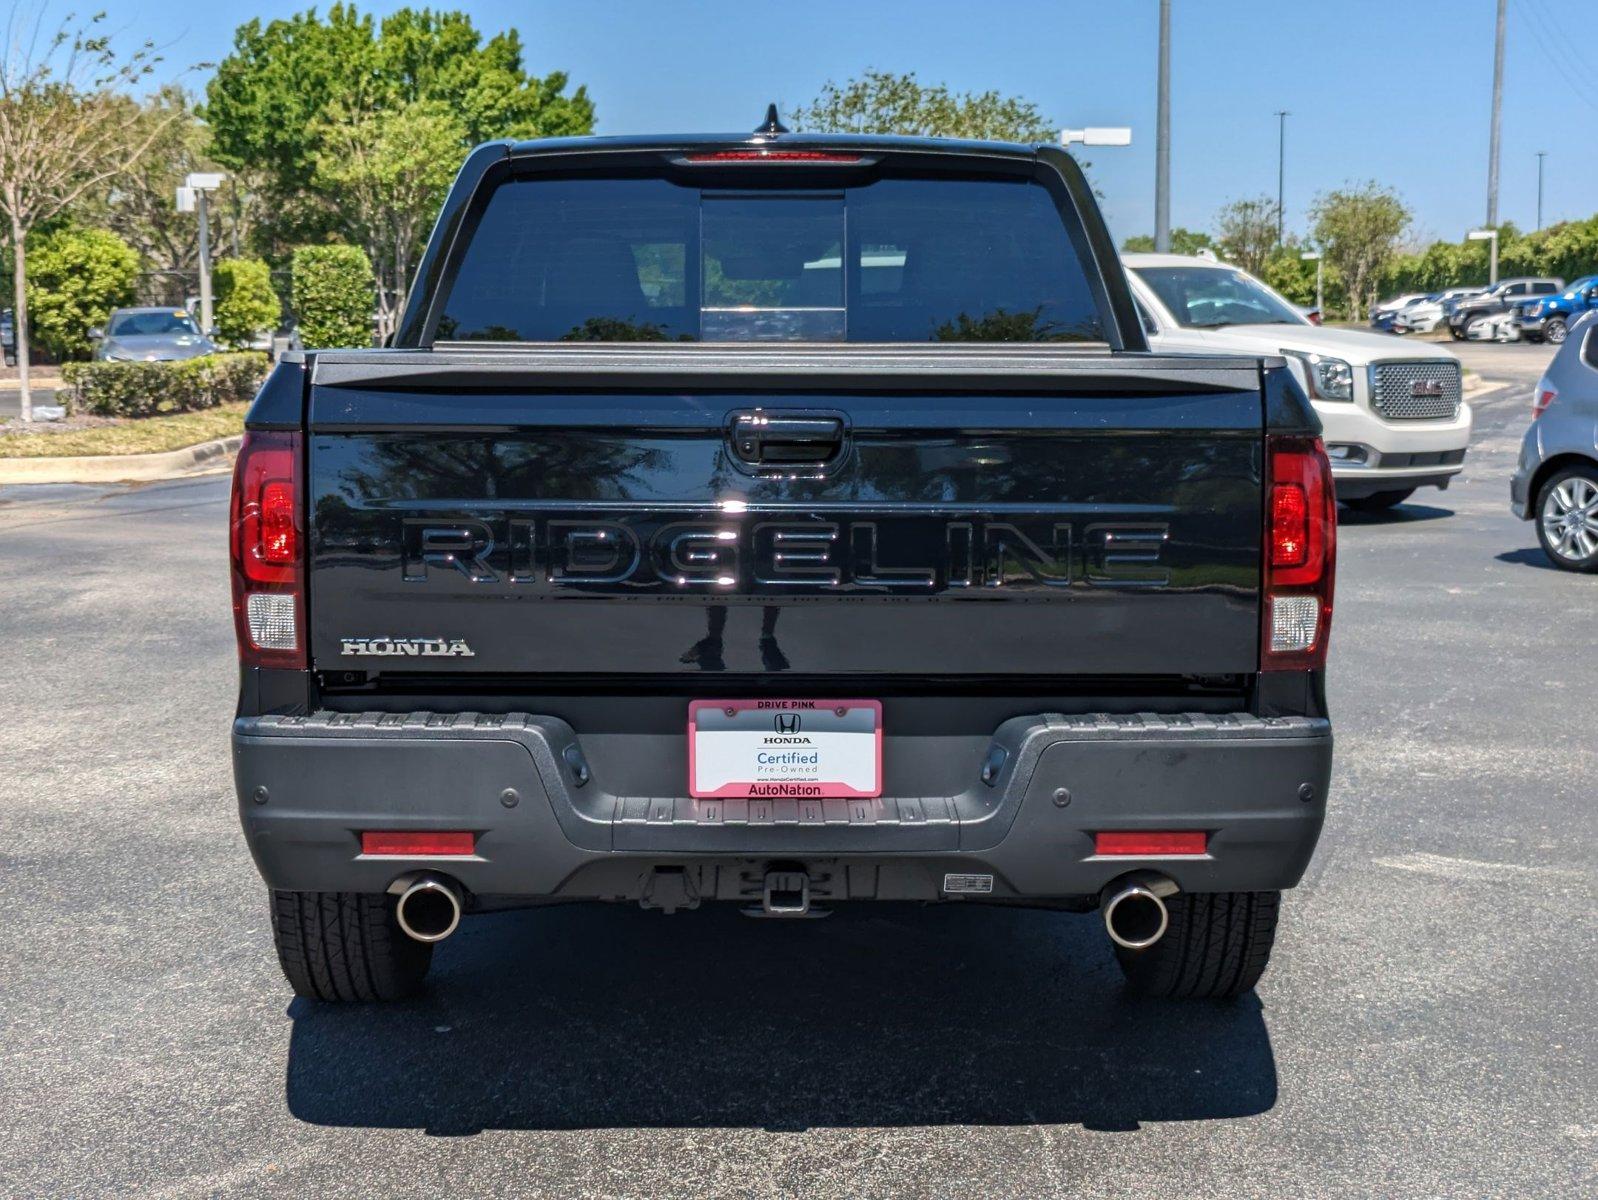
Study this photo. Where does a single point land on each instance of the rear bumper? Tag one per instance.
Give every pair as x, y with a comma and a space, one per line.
547, 829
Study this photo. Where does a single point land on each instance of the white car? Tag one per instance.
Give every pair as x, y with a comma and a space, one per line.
1500, 327
1388, 308
1425, 315
1394, 414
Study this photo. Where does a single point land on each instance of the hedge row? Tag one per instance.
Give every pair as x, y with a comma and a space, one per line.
148, 389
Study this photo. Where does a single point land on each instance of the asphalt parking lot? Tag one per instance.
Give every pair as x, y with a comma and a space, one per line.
1427, 1029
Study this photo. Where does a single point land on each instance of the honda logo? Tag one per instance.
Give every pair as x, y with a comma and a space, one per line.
786, 722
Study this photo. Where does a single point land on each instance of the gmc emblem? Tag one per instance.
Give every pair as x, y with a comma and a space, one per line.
1423, 388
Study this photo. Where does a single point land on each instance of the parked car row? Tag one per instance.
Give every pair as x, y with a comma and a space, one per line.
1524, 307
1471, 316
1430, 311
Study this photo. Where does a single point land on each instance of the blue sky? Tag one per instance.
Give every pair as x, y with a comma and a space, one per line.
1396, 90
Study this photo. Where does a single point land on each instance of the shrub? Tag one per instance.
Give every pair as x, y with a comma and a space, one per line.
75, 278
333, 295
148, 389
245, 301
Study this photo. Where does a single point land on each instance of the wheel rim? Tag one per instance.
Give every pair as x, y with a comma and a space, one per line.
1570, 519
1555, 332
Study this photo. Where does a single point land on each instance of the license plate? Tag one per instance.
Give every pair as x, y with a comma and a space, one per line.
785, 749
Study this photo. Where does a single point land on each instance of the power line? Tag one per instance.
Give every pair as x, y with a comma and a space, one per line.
1555, 51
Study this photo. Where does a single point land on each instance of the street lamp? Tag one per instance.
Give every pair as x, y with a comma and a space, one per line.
1488, 235
1315, 257
191, 198
1098, 135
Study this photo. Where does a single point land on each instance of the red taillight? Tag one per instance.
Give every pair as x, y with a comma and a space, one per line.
418, 843
1289, 525
1545, 397
279, 539
267, 541
772, 156
1300, 555
1151, 842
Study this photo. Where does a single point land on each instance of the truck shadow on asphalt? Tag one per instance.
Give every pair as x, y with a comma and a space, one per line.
594, 1017
1404, 514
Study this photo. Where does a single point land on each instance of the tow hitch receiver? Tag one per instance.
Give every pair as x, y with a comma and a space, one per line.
786, 894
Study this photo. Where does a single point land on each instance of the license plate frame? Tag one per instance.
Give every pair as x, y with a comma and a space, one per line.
844, 736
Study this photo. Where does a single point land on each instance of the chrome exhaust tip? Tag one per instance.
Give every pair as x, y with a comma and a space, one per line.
429, 909
1134, 911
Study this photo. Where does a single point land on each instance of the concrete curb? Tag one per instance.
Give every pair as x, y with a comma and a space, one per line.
122, 468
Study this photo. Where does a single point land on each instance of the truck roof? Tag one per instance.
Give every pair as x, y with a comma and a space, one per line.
863, 142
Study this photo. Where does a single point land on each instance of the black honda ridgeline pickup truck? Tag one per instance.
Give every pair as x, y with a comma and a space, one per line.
780, 520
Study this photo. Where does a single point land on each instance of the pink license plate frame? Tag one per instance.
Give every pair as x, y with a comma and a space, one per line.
783, 712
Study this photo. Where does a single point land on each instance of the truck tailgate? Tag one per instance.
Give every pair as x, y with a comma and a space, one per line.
827, 511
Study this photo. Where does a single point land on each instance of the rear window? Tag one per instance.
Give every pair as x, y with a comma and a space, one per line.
151, 324
893, 260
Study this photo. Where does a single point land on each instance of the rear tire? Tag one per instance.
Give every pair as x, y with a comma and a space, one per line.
1216, 947
1457, 332
1380, 501
346, 946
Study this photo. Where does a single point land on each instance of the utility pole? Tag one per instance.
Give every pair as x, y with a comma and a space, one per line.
1541, 154
1497, 122
1281, 171
192, 197
205, 263
1162, 138
1320, 291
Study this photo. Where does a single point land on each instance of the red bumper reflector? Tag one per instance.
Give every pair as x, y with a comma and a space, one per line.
1140, 842
418, 843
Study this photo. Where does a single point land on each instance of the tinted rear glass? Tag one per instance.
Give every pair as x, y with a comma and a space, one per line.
893, 260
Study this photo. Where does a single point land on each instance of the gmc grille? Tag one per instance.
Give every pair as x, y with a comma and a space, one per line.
1393, 390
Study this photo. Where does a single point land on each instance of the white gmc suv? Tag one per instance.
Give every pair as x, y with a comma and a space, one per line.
1394, 413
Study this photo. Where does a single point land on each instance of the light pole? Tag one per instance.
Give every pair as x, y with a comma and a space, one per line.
1281, 169
1497, 119
1488, 235
1162, 138
1541, 154
192, 198
1320, 300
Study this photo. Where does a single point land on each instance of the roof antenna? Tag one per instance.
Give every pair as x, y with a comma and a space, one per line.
772, 123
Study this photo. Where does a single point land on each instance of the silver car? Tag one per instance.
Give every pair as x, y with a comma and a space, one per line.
150, 335
1556, 483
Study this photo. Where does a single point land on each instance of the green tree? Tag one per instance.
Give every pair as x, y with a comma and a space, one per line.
1285, 270
882, 102
332, 291
1358, 229
75, 278
67, 128
138, 205
245, 301
1183, 241
275, 99
391, 168
1246, 232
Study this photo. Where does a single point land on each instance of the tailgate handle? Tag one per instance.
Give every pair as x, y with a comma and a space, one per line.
759, 440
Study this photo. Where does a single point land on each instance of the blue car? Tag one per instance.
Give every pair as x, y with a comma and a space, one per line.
1549, 318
